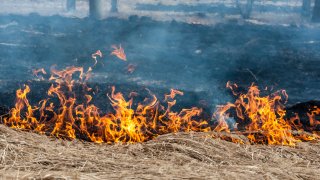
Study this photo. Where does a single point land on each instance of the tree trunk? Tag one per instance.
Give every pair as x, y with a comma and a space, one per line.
71, 5
98, 9
114, 6
306, 8
316, 11
245, 7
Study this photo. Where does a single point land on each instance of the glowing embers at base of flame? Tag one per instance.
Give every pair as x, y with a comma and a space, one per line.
76, 117
261, 117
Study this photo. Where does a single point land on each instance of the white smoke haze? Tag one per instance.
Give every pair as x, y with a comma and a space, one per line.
190, 45
264, 11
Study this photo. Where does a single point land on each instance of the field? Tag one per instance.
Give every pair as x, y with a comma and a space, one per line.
194, 52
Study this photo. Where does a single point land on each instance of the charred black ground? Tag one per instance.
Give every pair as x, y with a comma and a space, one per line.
196, 59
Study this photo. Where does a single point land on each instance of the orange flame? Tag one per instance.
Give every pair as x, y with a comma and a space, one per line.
266, 115
71, 119
261, 117
36, 72
64, 115
312, 118
173, 94
119, 52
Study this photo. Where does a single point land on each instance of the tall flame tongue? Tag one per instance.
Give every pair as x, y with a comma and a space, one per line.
23, 107
262, 117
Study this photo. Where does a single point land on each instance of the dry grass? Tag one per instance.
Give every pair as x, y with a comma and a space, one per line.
25, 155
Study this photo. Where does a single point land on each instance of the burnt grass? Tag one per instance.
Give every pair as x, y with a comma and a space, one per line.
196, 59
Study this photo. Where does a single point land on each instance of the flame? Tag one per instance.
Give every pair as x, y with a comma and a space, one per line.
173, 94
312, 125
36, 72
62, 115
312, 119
94, 56
16, 119
263, 117
119, 52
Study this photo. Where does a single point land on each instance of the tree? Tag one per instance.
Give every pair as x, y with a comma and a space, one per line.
98, 8
71, 5
245, 7
306, 8
316, 11
114, 6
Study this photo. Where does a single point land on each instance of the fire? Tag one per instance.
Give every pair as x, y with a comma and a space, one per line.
65, 114
173, 94
94, 56
62, 115
16, 120
36, 72
312, 125
262, 118
312, 118
119, 52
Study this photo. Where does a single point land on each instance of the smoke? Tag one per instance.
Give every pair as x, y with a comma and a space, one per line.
198, 52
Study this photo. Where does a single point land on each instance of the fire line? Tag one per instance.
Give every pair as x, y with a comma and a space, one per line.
262, 119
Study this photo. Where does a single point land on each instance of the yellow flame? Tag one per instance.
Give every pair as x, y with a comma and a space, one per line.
63, 115
68, 119
266, 114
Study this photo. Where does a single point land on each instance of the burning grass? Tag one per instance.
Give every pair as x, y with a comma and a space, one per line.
64, 113
263, 118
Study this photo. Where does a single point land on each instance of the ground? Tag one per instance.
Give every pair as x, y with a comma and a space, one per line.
182, 155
